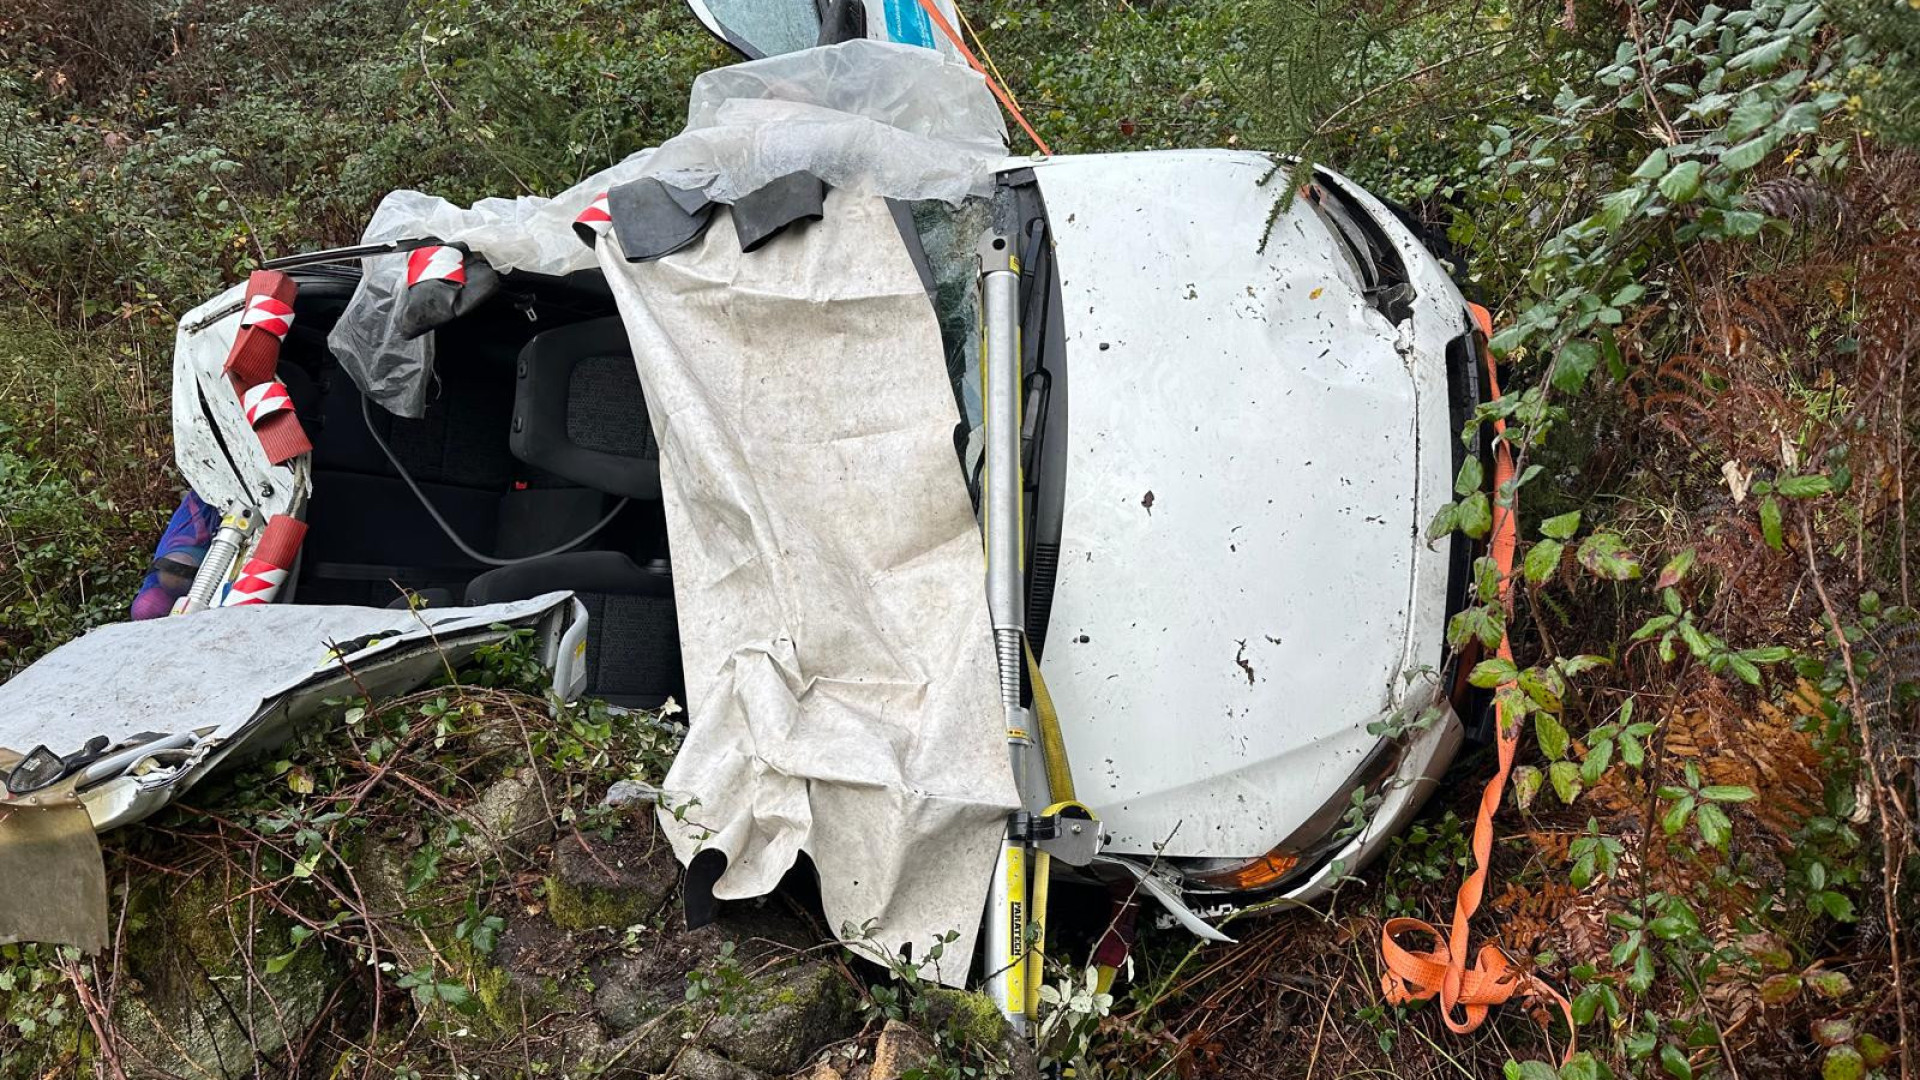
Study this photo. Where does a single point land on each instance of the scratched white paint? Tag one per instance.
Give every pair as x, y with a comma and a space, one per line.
1217, 648
199, 359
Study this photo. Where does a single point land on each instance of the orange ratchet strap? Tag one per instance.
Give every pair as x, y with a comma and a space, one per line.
933, 12
1416, 976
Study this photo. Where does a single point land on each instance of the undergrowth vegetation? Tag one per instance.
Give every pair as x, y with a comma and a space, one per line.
1697, 227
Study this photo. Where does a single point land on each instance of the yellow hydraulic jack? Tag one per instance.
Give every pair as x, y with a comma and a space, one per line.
1050, 824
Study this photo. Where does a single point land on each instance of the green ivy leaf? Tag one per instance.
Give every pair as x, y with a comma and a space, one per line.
1832, 985
1836, 905
1471, 478
1474, 514
1682, 182
1653, 626
1676, 816
1552, 735
1618, 206
1606, 556
1545, 687
1543, 558
1486, 579
1631, 752
1727, 793
1749, 117
1764, 56
1697, 642
1526, 785
1843, 1063
1581, 1067
1642, 978
1495, 672
1714, 826
1596, 762
1675, 570
1566, 780
1561, 527
1746, 155
1577, 360
1770, 523
1485, 623
1653, 166
1804, 487
1509, 339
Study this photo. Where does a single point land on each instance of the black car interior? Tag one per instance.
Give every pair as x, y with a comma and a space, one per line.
534, 467
535, 455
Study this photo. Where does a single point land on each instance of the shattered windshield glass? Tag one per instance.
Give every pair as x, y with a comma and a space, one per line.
770, 29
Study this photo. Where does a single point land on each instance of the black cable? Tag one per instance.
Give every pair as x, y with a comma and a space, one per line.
366, 413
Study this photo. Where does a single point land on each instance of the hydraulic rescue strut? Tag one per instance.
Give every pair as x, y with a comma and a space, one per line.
1049, 823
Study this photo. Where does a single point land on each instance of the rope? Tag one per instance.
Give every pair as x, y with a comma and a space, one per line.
993, 84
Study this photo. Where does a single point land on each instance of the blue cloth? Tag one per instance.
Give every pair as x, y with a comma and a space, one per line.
175, 559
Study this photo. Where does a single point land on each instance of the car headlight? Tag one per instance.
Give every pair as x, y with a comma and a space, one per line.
1317, 838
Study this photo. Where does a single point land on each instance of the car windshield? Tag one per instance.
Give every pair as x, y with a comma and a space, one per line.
762, 28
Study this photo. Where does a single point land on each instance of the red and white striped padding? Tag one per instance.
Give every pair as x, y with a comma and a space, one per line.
267, 568
436, 264
594, 221
258, 583
264, 400
269, 313
255, 356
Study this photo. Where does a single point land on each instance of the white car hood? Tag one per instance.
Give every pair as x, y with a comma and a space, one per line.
1242, 576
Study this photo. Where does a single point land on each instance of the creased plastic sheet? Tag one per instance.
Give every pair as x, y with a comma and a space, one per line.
527, 233
827, 566
870, 117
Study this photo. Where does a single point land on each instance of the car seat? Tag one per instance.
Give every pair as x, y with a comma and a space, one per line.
579, 414
633, 639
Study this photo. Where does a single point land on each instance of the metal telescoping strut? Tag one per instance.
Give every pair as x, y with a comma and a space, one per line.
1050, 823
217, 565
1008, 913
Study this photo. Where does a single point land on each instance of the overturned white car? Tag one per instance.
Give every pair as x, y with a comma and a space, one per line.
728, 423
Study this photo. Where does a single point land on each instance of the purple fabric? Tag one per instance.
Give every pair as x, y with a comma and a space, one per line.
176, 557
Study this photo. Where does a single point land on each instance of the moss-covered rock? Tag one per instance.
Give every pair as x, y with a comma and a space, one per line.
614, 884
697, 1064
774, 1026
967, 1017
217, 989
972, 1021
510, 818
503, 988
